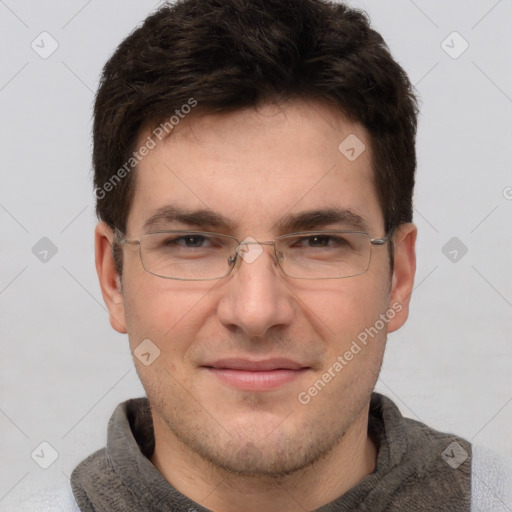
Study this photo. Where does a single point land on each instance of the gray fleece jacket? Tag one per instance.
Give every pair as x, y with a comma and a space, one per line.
418, 469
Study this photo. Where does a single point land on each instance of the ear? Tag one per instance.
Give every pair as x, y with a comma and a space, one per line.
110, 281
402, 282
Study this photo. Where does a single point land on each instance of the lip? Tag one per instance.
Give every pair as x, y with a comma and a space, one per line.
250, 375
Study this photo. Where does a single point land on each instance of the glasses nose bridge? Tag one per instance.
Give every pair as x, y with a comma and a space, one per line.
249, 241
238, 253
256, 242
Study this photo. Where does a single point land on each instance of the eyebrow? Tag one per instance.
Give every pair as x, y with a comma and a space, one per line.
316, 219
198, 218
303, 221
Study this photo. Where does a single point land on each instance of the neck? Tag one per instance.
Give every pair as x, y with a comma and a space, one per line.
347, 464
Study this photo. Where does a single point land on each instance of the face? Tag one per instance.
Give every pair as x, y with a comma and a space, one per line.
237, 378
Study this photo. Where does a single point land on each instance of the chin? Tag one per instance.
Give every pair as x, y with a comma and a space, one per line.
262, 462
266, 455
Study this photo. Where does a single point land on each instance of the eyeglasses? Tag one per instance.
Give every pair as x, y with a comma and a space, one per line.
202, 256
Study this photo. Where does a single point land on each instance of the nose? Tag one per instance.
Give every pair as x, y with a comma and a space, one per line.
255, 299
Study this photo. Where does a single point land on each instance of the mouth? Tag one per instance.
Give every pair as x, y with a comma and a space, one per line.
250, 375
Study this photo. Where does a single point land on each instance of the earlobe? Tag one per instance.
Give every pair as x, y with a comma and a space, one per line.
110, 281
403, 274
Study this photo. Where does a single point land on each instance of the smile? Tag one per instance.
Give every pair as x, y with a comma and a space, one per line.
256, 375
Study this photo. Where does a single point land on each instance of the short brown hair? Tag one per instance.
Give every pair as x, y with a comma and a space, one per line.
233, 54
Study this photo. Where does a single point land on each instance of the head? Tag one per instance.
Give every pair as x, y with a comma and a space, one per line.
234, 115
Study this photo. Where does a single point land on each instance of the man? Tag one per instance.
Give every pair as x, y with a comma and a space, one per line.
254, 170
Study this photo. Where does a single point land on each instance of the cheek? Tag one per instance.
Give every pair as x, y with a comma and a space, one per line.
340, 310
167, 312
170, 318
350, 326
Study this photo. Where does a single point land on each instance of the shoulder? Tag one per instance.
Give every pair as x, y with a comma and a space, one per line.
419, 466
491, 481
59, 499
95, 464
93, 474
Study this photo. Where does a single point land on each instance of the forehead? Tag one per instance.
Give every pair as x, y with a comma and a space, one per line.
255, 167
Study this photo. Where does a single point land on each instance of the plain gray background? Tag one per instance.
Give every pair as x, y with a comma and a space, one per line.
63, 369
